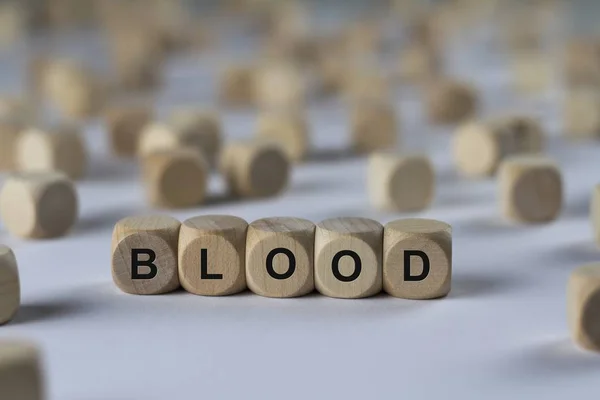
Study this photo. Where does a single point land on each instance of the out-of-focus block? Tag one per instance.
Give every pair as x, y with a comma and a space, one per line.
124, 125
21, 373
236, 86
10, 288
374, 127
200, 129
288, 128
450, 102
582, 114
9, 133
532, 72
280, 85
583, 306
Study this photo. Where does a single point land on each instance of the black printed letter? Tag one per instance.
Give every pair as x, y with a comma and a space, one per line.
335, 265
136, 263
415, 278
291, 268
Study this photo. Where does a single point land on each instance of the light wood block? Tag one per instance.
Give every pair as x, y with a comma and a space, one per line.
417, 258
199, 129
125, 124
364, 84
212, 255
10, 288
38, 205
59, 148
582, 114
255, 168
374, 127
398, 182
582, 63
289, 129
144, 254
348, 257
280, 257
583, 306
236, 86
418, 64
531, 189
21, 372
532, 72
9, 134
450, 102
280, 86
175, 178
479, 147
595, 213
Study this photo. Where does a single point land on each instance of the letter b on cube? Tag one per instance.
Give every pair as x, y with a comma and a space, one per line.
417, 258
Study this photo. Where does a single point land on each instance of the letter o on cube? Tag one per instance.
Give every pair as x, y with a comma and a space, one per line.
144, 254
412, 242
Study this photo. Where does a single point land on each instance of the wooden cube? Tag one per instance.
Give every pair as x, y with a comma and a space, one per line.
450, 102
280, 86
479, 147
374, 127
58, 148
582, 114
531, 189
595, 213
364, 85
255, 168
125, 124
417, 258
280, 256
21, 374
9, 134
348, 257
212, 255
582, 63
289, 128
10, 289
583, 306
236, 86
144, 254
175, 178
418, 64
399, 182
38, 205
200, 129
532, 72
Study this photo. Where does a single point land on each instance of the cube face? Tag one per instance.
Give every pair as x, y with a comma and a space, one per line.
582, 114
417, 259
531, 189
21, 376
450, 102
348, 257
374, 127
290, 130
10, 289
212, 255
125, 126
144, 255
280, 256
236, 86
583, 306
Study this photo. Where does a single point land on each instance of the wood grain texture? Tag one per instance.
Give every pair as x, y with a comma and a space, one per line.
400, 182
255, 168
175, 178
450, 102
199, 129
531, 189
342, 245
57, 148
427, 244
39, 205
280, 257
583, 306
21, 373
480, 147
223, 238
124, 124
375, 126
157, 233
288, 128
10, 288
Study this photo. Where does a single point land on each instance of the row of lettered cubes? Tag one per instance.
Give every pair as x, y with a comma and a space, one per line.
216, 255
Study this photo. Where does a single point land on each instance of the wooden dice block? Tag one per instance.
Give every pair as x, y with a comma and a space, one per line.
289, 129
583, 306
236, 86
38, 205
144, 254
417, 258
125, 124
280, 86
450, 102
479, 147
400, 182
9, 134
10, 288
199, 129
367, 85
348, 257
212, 255
374, 127
59, 148
418, 64
255, 168
531, 189
582, 63
21, 373
582, 114
532, 72
175, 178
280, 256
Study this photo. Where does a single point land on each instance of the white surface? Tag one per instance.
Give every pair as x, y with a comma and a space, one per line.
501, 332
